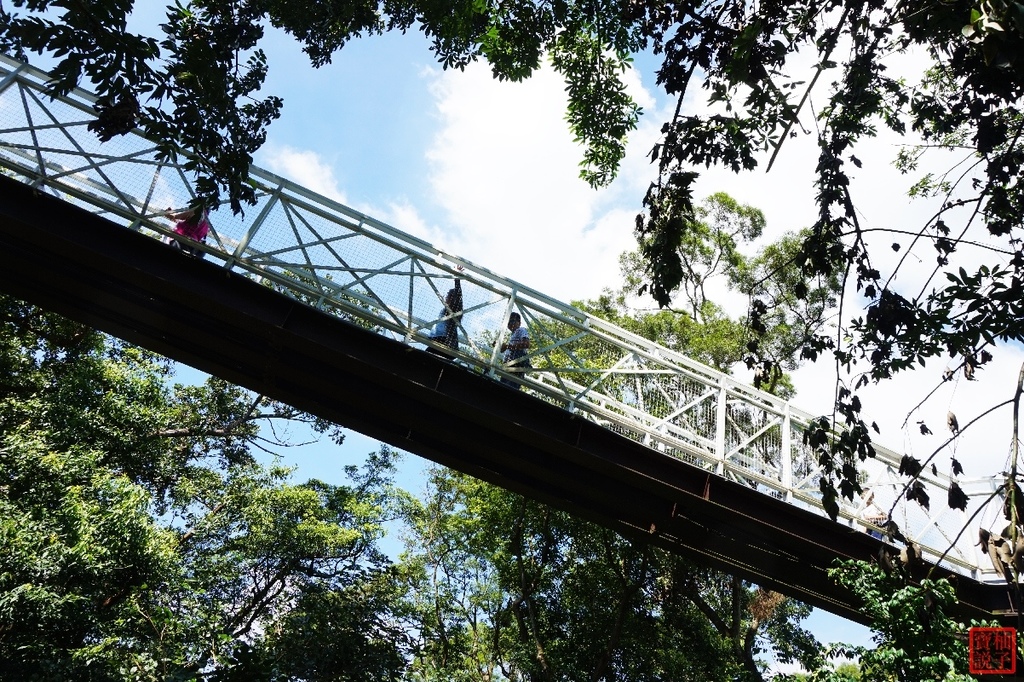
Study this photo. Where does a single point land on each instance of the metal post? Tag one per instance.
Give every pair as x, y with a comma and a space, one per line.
786, 460
243, 243
720, 426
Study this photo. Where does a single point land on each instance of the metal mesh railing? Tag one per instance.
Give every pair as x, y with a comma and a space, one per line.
347, 264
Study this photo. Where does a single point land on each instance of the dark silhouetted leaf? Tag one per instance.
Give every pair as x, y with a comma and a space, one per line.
957, 497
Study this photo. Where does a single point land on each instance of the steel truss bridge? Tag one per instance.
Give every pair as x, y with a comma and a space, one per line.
321, 306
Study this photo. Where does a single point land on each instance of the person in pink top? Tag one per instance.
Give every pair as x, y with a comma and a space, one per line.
193, 224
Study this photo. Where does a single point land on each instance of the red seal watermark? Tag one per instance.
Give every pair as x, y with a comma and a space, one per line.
993, 651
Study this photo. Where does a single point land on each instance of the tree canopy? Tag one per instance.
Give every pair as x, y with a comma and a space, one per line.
763, 73
508, 588
141, 538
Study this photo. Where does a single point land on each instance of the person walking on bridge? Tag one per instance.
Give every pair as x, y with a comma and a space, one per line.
446, 331
194, 225
515, 349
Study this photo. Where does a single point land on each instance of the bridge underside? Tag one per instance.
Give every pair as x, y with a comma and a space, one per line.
131, 286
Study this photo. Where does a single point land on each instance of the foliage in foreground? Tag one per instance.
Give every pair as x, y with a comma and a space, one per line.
915, 637
140, 538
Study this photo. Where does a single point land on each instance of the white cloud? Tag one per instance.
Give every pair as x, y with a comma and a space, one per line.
880, 192
304, 167
898, 404
504, 183
406, 218
505, 174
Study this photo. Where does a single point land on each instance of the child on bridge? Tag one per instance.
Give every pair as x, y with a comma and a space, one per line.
193, 224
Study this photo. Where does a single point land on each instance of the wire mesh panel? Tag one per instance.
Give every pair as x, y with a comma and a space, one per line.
352, 266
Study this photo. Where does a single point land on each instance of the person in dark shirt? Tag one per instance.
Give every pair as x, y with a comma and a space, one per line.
446, 331
515, 350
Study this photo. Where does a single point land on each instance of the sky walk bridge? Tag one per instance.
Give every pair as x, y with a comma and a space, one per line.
325, 308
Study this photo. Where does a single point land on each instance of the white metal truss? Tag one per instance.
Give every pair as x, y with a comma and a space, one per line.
350, 265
